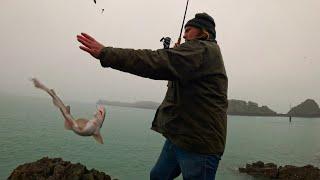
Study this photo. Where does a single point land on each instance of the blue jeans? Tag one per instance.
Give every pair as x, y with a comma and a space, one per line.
193, 166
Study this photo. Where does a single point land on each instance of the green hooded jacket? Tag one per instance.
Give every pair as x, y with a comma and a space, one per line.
193, 114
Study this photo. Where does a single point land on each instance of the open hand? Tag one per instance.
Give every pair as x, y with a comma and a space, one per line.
90, 45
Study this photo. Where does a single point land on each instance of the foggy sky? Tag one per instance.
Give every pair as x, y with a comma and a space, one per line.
270, 47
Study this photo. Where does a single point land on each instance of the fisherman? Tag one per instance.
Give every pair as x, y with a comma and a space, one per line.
192, 116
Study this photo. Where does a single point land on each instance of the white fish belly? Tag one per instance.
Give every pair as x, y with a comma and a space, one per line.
88, 130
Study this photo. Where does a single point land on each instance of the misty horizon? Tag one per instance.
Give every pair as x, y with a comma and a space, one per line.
270, 48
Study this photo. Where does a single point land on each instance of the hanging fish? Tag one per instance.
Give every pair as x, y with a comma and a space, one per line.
81, 126
95, 1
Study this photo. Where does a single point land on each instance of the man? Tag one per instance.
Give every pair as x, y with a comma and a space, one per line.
192, 116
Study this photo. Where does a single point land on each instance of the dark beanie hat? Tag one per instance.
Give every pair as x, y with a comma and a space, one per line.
203, 21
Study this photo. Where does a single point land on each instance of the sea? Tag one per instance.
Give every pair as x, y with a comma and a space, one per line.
32, 128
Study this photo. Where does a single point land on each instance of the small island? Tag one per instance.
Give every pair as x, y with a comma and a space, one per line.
308, 108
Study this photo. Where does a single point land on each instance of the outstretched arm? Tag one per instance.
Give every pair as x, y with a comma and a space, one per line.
179, 63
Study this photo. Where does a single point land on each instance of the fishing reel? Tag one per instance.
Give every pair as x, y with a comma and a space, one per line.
166, 42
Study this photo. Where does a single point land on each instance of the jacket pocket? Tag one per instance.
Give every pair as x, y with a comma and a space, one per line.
169, 112
170, 95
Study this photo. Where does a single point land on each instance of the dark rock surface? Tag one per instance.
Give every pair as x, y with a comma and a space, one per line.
288, 172
308, 108
55, 169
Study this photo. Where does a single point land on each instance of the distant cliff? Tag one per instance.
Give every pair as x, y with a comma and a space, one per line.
308, 108
236, 107
138, 104
243, 108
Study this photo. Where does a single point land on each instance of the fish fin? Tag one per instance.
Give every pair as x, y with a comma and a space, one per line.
68, 109
68, 124
54, 99
98, 138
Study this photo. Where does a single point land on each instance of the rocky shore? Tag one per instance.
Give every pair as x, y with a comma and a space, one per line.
55, 169
58, 169
287, 172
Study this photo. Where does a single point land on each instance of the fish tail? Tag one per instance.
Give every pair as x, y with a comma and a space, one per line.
97, 136
37, 83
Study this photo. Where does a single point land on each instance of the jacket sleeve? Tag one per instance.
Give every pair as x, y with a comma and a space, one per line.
164, 64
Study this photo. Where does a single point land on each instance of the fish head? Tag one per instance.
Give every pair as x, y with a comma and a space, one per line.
100, 113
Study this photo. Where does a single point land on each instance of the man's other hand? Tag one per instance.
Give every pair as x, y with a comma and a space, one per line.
89, 44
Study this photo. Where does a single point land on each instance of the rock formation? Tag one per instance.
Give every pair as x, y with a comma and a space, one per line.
288, 172
55, 169
308, 108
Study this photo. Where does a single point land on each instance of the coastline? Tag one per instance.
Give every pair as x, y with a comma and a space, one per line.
241, 112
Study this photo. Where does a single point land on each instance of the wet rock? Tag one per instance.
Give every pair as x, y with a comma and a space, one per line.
308, 172
260, 169
288, 172
55, 169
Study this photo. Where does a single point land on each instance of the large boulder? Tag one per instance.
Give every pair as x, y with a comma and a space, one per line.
55, 169
269, 170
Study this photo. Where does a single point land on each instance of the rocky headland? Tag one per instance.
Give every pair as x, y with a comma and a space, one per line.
243, 108
287, 172
55, 169
308, 108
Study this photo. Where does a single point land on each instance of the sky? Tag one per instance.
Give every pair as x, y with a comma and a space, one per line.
269, 47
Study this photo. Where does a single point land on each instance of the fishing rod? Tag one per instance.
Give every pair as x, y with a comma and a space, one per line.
167, 40
184, 17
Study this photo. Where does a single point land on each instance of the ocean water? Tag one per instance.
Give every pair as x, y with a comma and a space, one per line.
32, 128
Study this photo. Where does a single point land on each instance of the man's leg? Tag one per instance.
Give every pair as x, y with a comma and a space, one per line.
167, 167
195, 166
